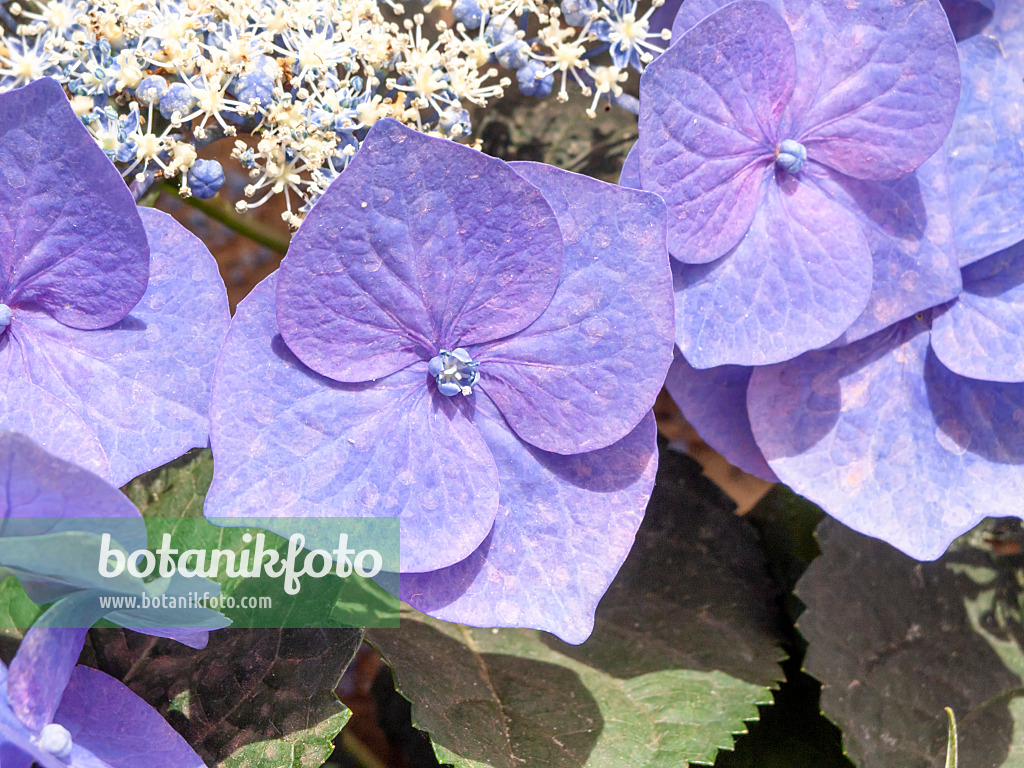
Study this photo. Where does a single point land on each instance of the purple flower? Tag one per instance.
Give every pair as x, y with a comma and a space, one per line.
472, 346
913, 434
52, 514
111, 316
783, 136
55, 714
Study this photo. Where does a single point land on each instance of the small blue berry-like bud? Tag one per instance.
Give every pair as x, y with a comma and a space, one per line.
514, 54
205, 178
179, 99
467, 12
56, 740
501, 31
456, 123
5, 315
455, 372
577, 12
256, 86
533, 81
151, 90
791, 156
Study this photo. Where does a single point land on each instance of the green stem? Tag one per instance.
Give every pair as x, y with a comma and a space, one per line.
219, 210
952, 748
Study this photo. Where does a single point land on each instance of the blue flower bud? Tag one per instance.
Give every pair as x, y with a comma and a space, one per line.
467, 12
533, 81
514, 54
577, 12
151, 90
56, 740
205, 178
792, 155
501, 31
5, 315
179, 99
256, 86
456, 123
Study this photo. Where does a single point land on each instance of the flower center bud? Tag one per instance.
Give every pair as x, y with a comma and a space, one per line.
455, 372
56, 740
5, 317
791, 156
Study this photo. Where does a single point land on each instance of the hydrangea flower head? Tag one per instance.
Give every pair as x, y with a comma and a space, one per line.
912, 434
55, 714
781, 135
472, 346
112, 315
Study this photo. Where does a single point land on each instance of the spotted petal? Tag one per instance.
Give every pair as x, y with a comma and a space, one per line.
877, 84
421, 244
142, 384
986, 152
889, 441
565, 526
587, 371
796, 281
31, 410
908, 224
709, 109
293, 443
981, 335
111, 727
71, 242
714, 401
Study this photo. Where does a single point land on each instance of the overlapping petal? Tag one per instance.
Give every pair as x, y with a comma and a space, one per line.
551, 556
31, 410
968, 17
908, 224
419, 245
709, 110
981, 335
71, 242
288, 440
797, 280
40, 671
111, 727
589, 368
891, 442
877, 85
714, 401
142, 384
17, 747
986, 152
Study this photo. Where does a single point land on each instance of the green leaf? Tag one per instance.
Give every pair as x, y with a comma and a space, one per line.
252, 699
176, 489
17, 612
171, 499
685, 648
895, 641
259, 698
